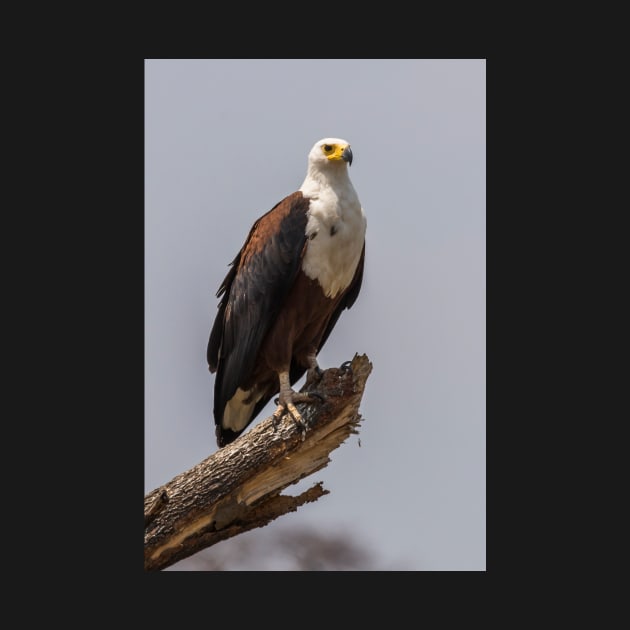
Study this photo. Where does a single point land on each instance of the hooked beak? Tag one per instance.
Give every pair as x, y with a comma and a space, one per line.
347, 155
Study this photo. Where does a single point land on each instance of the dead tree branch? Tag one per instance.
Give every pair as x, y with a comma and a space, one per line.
238, 487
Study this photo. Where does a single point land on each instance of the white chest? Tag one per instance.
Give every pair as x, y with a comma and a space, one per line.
336, 233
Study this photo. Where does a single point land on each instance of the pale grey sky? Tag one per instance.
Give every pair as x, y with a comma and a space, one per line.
227, 139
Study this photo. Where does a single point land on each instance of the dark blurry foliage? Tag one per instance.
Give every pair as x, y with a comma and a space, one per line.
282, 549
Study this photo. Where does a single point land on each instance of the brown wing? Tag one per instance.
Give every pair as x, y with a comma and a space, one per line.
252, 293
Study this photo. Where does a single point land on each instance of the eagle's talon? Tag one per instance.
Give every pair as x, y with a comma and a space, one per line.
275, 420
301, 426
317, 395
346, 366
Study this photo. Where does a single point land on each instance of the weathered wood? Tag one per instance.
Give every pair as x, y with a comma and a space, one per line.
238, 487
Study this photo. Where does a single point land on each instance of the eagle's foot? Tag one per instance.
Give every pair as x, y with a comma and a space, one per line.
286, 403
295, 414
309, 396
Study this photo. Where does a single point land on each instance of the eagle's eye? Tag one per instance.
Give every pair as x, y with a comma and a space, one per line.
327, 148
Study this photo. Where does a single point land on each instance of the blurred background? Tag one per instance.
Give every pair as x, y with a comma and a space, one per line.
225, 140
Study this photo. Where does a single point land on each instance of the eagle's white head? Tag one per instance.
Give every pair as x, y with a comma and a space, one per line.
328, 162
330, 152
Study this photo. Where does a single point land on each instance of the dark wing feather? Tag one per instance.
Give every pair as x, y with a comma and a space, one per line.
214, 343
253, 291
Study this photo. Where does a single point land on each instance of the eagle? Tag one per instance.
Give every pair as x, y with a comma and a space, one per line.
301, 265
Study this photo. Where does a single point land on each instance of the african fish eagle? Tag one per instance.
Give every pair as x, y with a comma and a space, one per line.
299, 268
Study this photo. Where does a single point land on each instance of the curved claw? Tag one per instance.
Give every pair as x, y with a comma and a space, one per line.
346, 366
316, 395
